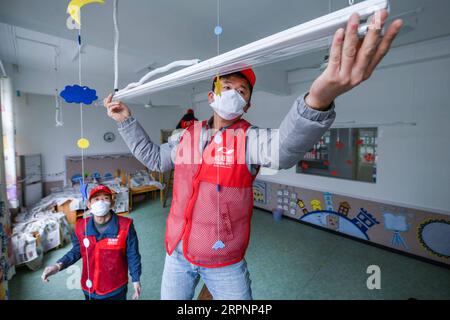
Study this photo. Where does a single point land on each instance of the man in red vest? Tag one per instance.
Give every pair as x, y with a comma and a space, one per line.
109, 247
216, 162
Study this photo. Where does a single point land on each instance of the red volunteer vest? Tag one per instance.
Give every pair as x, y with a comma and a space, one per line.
108, 265
212, 197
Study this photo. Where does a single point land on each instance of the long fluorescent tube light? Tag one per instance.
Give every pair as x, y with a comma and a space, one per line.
313, 35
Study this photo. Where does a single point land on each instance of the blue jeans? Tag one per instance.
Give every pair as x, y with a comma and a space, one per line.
180, 277
119, 296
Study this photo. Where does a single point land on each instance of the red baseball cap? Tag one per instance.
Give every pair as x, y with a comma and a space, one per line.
98, 189
248, 74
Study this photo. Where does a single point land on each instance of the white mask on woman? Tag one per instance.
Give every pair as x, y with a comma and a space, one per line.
100, 208
229, 105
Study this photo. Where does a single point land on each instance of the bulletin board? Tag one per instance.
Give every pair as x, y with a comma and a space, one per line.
419, 232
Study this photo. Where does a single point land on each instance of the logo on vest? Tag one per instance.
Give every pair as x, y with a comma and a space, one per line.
224, 157
113, 241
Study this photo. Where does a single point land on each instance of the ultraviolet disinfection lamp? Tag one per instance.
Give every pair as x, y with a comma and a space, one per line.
307, 37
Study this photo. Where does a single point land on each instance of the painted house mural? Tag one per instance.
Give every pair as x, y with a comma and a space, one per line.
419, 232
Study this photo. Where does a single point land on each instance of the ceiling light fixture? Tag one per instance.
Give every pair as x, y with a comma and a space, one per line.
307, 37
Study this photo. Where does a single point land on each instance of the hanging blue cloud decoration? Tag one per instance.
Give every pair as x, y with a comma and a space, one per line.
78, 94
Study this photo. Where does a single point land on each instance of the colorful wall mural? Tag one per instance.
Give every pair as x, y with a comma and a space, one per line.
422, 233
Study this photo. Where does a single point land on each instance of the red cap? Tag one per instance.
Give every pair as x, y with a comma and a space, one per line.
190, 111
248, 74
98, 189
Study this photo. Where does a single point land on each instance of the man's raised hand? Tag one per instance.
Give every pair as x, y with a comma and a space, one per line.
352, 60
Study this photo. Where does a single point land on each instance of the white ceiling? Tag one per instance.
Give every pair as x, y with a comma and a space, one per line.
161, 31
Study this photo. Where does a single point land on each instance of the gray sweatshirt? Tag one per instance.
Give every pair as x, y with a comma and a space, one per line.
271, 148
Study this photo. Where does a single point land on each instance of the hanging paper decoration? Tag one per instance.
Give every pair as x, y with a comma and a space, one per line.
71, 24
83, 143
218, 30
81, 95
305, 166
75, 6
78, 94
58, 115
218, 245
83, 190
334, 173
339, 145
360, 142
369, 157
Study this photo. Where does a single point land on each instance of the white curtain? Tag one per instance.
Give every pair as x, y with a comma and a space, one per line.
6, 253
9, 149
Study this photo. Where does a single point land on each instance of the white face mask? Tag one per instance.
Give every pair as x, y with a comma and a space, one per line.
100, 208
229, 105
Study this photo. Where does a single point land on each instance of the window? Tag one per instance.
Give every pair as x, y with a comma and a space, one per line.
349, 153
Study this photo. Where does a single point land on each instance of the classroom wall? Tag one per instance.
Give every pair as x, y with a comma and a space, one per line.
411, 85
36, 131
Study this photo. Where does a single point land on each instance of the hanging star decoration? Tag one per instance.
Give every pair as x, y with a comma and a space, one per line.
218, 86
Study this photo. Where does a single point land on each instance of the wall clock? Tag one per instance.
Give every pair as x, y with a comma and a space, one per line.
109, 137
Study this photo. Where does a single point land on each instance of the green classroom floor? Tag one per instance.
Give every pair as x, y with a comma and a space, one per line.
287, 260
